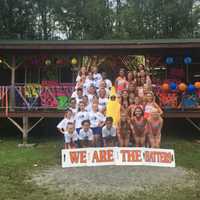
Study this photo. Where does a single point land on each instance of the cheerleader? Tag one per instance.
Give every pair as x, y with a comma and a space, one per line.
155, 123
140, 127
132, 107
120, 82
124, 130
97, 120
124, 101
151, 105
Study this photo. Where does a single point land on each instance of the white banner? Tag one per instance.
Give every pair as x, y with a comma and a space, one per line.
117, 156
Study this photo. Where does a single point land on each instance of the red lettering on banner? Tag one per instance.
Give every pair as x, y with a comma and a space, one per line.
103, 156
131, 155
160, 157
78, 157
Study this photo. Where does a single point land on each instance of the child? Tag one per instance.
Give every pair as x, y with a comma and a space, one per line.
73, 106
83, 72
86, 135
97, 121
140, 127
150, 105
155, 124
91, 93
80, 116
88, 82
132, 107
109, 133
102, 100
124, 100
78, 95
70, 136
96, 76
124, 130
107, 81
120, 82
68, 117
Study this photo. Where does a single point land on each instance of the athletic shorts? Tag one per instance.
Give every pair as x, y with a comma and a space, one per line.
97, 130
78, 130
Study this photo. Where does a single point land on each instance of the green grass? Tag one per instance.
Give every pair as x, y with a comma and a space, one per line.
17, 164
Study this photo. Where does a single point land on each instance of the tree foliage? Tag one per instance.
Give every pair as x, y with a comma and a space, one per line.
99, 19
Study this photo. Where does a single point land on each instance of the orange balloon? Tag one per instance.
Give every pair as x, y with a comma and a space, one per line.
197, 84
182, 87
165, 87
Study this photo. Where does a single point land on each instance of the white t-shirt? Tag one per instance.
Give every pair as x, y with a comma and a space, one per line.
87, 85
79, 117
108, 83
85, 135
70, 137
74, 110
95, 118
108, 132
78, 99
97, 77
90, 98
64, 122
102, 103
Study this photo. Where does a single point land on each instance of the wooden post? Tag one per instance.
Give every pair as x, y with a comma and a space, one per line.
12, 90
25, 130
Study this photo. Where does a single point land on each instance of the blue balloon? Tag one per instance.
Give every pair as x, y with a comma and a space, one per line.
169, 60
191, 88
187, 60
173, 86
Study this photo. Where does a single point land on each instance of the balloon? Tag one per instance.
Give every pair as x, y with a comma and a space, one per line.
182, 87
169, 60
74, 61
187, 60
165, 87
197, 85
191, 88
47, 62
173, 86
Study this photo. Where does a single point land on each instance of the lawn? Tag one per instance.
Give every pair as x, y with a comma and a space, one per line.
17, 165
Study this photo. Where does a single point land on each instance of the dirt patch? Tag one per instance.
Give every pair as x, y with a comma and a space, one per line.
113, 179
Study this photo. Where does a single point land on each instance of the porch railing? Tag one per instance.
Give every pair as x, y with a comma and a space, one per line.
35, 96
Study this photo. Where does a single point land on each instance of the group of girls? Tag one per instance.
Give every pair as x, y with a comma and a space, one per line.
87, 123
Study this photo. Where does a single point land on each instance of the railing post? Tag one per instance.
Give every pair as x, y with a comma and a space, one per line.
12, 89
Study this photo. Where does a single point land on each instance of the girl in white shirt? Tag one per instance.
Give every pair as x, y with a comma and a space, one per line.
80, 116
102, 100
97, 120
96, 76
68, 117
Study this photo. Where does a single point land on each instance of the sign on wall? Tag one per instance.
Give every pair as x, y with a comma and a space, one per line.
117, 156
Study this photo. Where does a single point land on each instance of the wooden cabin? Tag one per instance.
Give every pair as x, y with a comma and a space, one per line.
37, 77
